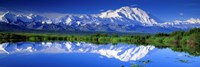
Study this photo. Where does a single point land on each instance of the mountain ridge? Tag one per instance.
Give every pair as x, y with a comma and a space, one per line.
124, 19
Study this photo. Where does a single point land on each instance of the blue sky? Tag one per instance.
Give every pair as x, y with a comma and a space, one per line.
166, 10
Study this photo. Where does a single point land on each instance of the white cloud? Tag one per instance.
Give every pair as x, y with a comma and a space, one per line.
181, 14
102, 10
134, 5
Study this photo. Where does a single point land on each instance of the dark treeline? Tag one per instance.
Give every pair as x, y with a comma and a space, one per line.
188, 41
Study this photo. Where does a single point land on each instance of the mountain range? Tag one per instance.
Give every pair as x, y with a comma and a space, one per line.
125, 19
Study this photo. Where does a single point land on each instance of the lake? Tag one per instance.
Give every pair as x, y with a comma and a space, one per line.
82, 54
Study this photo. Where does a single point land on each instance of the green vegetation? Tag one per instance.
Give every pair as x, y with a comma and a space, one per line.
184, 61
182, 41
136, 65
145, 62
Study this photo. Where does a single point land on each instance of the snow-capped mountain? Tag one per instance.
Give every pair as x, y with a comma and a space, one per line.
129, 15
120, 51
187, 24
124, 19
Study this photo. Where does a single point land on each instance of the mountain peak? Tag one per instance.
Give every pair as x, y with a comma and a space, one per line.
132, 15
126, 7
130, 8
6, 12
10, 16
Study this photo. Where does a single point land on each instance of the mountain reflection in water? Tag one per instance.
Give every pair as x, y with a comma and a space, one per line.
121, 52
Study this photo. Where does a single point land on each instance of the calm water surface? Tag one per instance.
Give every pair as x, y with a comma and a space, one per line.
81, 54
